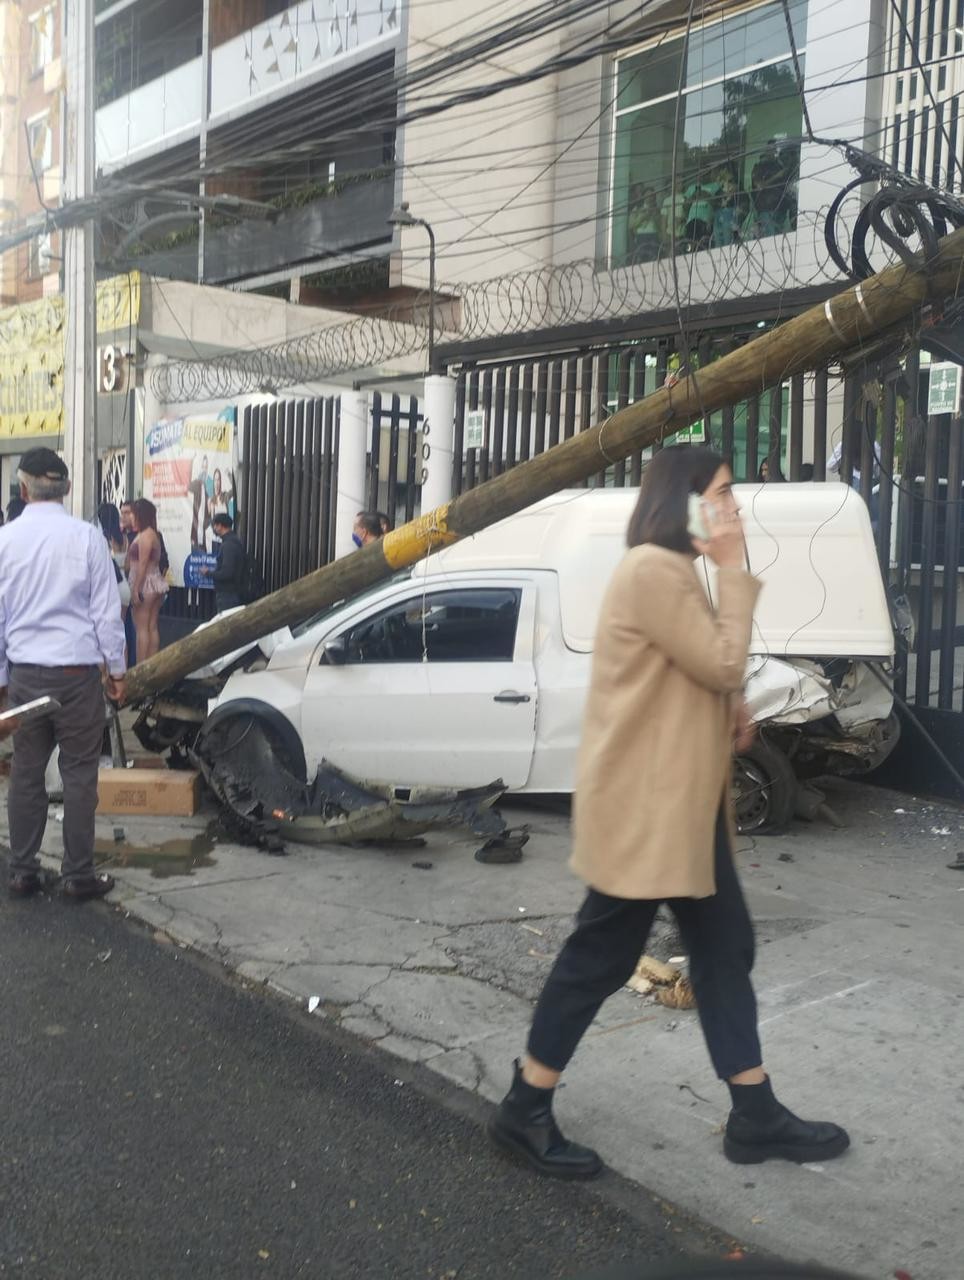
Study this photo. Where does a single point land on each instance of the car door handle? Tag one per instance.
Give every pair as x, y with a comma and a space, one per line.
511, 697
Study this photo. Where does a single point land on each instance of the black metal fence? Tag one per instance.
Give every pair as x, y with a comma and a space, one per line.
863, 423
394, 463
288, 489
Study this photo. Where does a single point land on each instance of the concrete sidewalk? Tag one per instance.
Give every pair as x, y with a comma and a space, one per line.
437, 958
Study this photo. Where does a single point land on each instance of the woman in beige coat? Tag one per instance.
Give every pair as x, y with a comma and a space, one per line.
653, 821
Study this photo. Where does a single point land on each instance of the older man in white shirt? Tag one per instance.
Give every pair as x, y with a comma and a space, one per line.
61, 636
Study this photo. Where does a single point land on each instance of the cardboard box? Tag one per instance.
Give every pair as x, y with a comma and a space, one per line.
171, 793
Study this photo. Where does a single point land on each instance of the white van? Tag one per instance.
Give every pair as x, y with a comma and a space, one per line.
474, 665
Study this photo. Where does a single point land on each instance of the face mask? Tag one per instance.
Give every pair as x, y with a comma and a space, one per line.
357, 541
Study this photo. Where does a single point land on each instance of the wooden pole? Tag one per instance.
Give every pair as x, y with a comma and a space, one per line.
806, 342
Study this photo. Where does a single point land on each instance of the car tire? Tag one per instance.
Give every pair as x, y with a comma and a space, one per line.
764, 789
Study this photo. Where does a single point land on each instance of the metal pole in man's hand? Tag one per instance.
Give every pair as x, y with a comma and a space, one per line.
118, 752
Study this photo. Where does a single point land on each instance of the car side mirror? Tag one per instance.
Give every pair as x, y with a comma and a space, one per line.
336, 651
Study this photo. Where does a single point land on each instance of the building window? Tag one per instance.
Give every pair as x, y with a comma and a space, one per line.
735, 131
38, 257
40, 142
41, 40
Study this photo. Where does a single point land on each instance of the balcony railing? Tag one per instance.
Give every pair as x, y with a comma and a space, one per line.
306, 41
161, 109
295, 45
349, 220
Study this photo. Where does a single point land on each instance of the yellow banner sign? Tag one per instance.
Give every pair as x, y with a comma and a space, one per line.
32, 354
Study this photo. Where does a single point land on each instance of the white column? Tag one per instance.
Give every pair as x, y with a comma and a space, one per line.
354, 435
440, 438
80, 306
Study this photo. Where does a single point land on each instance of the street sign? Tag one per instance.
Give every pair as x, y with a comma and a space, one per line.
944, 388
695, 434
473, 435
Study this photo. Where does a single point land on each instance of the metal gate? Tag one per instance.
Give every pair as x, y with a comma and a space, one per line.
289, 486
394, 460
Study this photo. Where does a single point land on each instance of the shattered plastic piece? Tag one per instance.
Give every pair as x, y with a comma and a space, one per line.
58, 815
656, 971
530, 928
423, 866
900, 811
940, 831
313, 1003
677, 960
104, 956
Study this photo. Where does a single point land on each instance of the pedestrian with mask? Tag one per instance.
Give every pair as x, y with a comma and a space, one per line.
61, 636
653, 819
367, 528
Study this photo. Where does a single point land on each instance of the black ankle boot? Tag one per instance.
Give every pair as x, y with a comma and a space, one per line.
524, 1126
761, 1128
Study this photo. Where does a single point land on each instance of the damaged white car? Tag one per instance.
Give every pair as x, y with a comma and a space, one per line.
469, 673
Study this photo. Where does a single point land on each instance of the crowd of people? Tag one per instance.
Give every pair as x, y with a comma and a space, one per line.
712, 209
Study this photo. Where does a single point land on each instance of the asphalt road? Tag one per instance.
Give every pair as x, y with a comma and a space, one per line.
160, 1121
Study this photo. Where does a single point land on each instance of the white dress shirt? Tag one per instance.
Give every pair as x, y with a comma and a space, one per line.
58, 593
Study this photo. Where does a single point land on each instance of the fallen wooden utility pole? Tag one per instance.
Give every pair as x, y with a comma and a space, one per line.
806, 342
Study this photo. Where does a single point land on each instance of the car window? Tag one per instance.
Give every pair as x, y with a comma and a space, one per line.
302, 627
446, 626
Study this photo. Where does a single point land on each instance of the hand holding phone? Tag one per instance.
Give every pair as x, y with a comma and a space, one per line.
720, 537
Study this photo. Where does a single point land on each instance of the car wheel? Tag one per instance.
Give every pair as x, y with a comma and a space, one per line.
764, 789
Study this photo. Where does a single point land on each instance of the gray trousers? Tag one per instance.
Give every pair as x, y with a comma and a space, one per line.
78, 730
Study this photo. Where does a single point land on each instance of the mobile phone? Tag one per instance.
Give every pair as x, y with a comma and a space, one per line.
28, 711
698, 513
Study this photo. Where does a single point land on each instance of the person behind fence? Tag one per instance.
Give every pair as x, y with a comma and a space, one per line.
653, 820
61, 636
228, 574
369, 526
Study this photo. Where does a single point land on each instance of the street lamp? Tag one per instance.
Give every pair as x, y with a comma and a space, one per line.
402, 217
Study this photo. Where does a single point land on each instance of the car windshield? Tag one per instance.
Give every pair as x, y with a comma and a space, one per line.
315, 618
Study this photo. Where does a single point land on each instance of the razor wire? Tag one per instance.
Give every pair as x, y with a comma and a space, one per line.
849, 238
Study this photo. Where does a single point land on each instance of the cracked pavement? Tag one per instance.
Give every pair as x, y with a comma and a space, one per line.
440, 966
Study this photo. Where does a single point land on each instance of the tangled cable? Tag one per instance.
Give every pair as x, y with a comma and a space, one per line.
901, 214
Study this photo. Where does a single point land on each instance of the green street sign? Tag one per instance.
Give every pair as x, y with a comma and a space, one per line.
944, 388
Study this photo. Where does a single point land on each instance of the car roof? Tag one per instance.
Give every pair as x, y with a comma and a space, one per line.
811, 544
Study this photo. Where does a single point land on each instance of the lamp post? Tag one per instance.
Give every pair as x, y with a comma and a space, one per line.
402, 217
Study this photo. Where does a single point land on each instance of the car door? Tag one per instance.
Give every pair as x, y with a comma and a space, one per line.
437, 688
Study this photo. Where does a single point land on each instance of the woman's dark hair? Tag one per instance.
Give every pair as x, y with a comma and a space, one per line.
145, 514
109, 519
661, 514
15, 507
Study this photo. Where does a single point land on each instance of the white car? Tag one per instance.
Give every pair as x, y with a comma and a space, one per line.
473, 667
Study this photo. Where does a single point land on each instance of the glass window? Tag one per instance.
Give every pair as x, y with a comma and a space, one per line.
734, 132
41, 40
444, 626
40, 141
38, 256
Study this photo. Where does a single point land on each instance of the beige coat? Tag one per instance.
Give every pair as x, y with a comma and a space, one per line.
654, 765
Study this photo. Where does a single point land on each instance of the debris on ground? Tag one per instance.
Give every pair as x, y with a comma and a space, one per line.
678, 996
665, 981
657, 970
313, 1003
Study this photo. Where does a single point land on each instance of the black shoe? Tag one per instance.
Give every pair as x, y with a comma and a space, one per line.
524, 1127
761, 1128
88, 887
24, 884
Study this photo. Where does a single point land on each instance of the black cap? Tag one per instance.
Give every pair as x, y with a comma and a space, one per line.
43, 464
